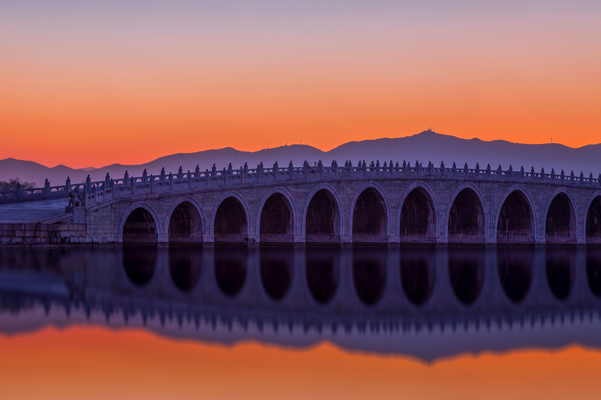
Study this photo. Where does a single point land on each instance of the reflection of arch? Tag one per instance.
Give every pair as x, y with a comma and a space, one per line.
382, 193
573, 230
290, 205
474, 188
429, 194
195, 236
131, 209
596, 236
338, 223
223, 197
530, 203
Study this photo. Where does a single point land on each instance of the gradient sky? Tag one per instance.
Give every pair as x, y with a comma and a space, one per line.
89, 83
96, 363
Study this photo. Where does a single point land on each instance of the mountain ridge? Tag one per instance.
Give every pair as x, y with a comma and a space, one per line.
425, 146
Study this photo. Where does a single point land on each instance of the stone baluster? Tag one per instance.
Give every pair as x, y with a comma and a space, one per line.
454, 168
189, 180
500, 171
488, 170
442, 171
197, 171
259, 171
477, 170
18, 193
290, 170
151, 184
144, 176
404, 167
335, 167
275, 171
306, 169
170, 181
242, 175
542, 174
225, 176
553, 174
207, 177
563, 175
430, 168
46, 189
107, 181
68, 185
465, 168
377, 167
417, 167
320, 168
180, 172
214, 171
88, 184
364, 168
522, 172
590, 178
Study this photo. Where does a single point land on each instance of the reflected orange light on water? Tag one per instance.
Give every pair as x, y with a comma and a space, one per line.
96, 363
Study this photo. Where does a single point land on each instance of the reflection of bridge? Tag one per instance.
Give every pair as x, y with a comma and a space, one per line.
340, 204
321, 290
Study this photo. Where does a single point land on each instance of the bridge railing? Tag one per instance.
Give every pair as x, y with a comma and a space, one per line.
101, 191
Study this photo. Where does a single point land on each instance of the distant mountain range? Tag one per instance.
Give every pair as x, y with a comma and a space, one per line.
425, 146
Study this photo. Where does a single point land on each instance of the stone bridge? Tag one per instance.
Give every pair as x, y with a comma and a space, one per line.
364, 203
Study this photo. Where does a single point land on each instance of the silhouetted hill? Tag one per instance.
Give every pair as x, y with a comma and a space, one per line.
425, 146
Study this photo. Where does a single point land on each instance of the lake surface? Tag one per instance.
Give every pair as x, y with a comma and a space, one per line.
325, 323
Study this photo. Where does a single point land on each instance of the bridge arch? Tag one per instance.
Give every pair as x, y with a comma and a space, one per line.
143, 227
592, 219
189, 214
227, 228
327, 195
423, 190
514, 232
561, 218
477, 222
279, 219
365, 229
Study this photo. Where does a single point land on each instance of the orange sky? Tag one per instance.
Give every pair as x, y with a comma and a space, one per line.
96, 363
90, 87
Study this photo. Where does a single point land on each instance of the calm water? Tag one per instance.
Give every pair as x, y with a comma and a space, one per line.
300, 323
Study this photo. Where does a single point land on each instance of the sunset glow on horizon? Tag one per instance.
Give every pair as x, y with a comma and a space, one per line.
91, 84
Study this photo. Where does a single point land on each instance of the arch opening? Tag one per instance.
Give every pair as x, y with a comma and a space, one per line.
593, 271
515, 272
417, 217
593, 222
466, 273
516, 220
370, 218
323, 219
560, 273
185, 268
369, 275
417, 275
231, 225
276, 272
185, 225
276, 224
322, 271
140, 264
466, 218
140, 229
560, 226
230, 267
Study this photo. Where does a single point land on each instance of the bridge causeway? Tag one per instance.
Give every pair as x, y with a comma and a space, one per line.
365, 203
